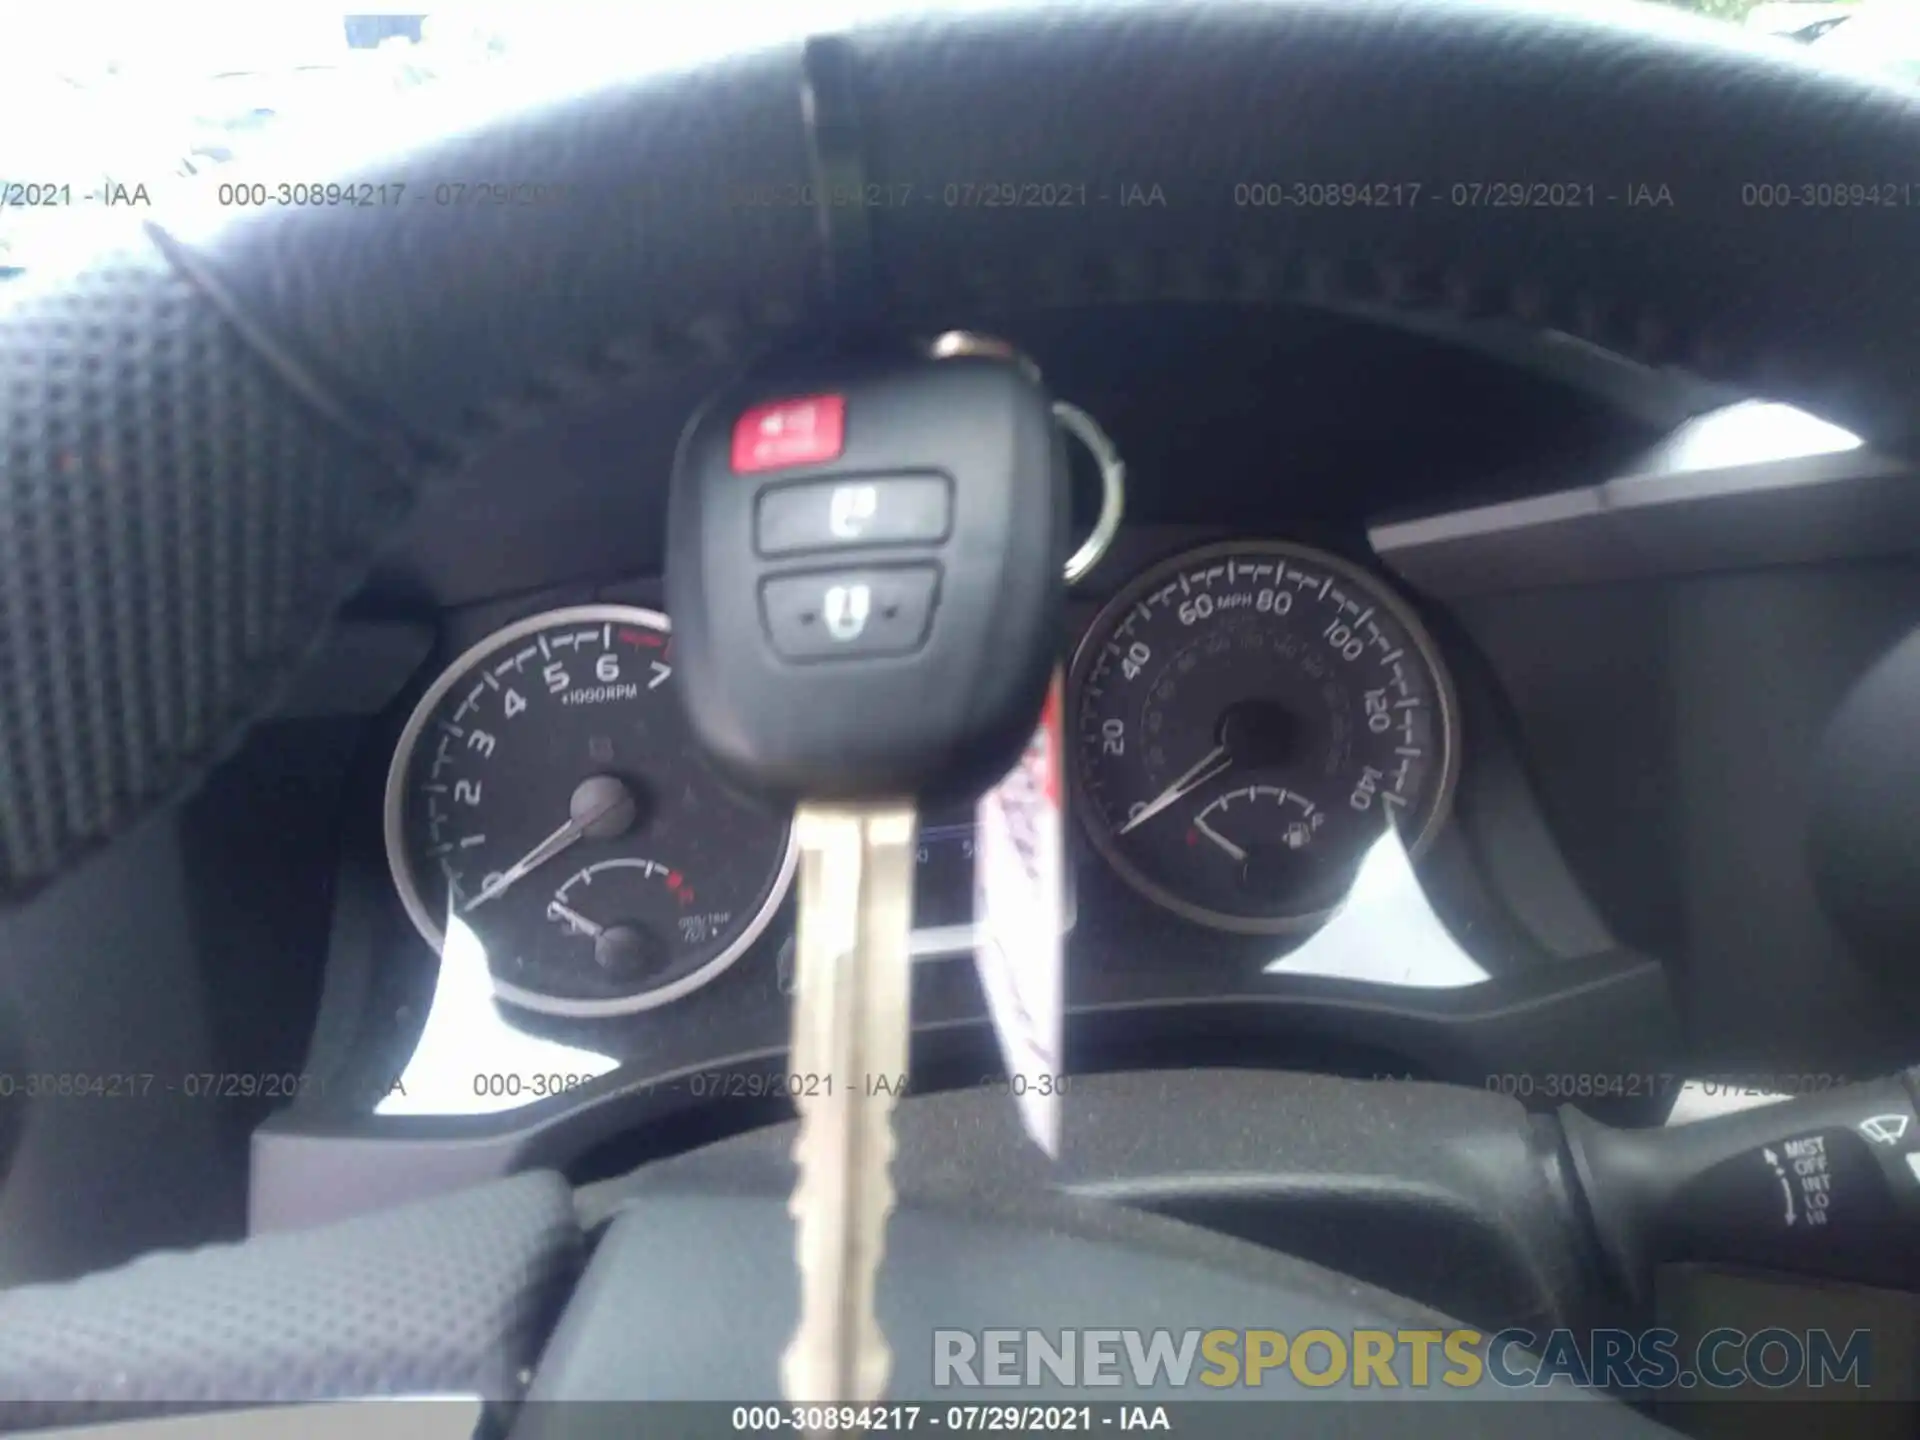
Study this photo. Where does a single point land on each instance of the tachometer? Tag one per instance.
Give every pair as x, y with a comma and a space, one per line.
547, 793
1248, 720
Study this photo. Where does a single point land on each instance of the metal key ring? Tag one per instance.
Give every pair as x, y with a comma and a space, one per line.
1080, 426
1113, 486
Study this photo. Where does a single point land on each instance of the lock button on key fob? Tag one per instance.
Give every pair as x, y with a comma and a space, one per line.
847, 514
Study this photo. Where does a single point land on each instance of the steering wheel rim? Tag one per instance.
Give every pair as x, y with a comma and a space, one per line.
209, 435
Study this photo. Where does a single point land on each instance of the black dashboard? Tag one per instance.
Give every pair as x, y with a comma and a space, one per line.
1600, 748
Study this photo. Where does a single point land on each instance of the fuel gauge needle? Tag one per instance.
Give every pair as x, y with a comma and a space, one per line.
1217, 838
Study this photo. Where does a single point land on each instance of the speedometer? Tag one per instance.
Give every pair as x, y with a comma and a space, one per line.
548, 796
1249, 719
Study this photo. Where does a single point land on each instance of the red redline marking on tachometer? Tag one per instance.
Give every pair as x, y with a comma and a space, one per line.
642, 637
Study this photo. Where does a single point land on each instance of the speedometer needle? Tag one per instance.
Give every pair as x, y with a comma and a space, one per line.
1213, 763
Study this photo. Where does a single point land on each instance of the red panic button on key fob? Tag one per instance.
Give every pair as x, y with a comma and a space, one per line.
803, 431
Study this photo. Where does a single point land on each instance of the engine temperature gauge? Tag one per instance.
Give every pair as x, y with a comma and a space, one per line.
634, 913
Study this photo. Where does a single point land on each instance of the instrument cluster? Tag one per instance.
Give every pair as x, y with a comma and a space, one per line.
1244, 720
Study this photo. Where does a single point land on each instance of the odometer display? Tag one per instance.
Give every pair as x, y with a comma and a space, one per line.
1249, 719
548, 795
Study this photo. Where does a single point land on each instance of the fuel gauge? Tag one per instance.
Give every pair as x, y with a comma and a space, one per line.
1265, 834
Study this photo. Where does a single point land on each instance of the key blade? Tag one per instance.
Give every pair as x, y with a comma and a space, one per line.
851, 1029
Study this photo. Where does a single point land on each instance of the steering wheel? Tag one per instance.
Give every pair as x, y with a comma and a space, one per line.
209, 431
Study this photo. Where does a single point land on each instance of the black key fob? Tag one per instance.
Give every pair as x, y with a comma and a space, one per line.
864, 569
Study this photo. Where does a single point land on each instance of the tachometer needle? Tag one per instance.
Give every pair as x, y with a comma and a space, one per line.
602, 808
575, 919
1217, 838
1211, 764
548, 848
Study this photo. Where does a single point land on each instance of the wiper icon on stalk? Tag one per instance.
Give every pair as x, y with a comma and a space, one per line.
1886, 1129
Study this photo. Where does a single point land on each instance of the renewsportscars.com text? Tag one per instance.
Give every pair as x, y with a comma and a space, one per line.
1392, 1359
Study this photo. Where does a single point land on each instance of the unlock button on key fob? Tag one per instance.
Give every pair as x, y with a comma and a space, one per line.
850, 614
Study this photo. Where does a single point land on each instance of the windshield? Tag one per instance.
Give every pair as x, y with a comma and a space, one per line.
106, 105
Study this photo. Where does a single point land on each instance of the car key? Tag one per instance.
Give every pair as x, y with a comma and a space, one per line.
850, 1026
864, 568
